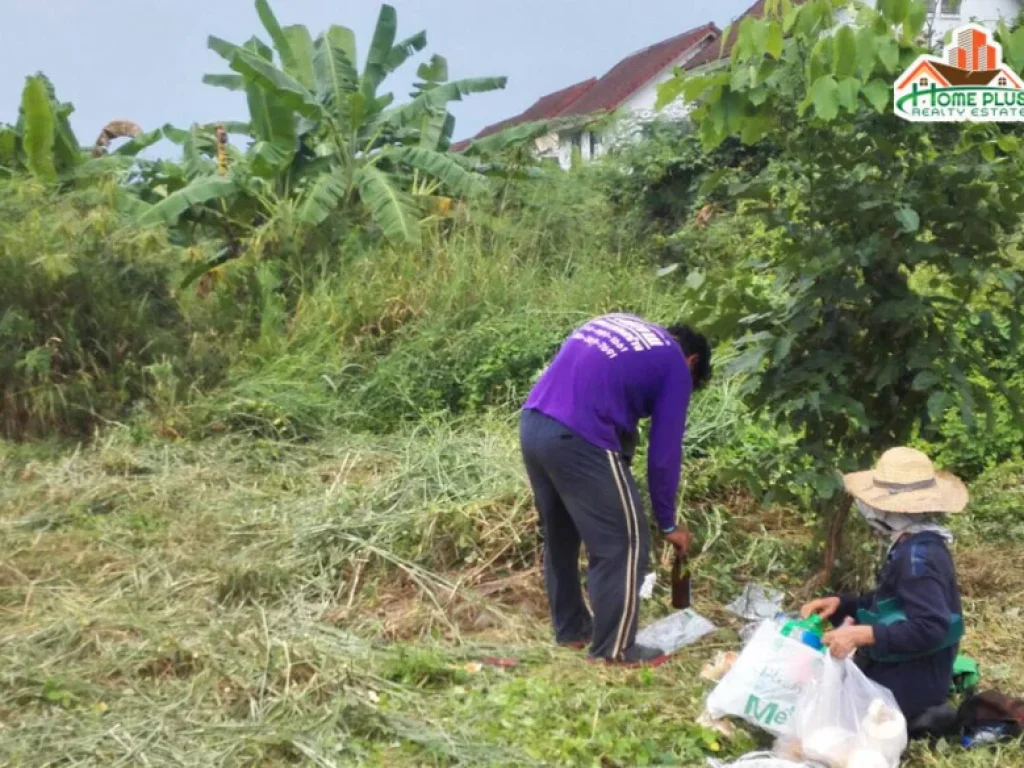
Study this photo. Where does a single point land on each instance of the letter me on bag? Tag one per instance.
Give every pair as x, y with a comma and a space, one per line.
765, 683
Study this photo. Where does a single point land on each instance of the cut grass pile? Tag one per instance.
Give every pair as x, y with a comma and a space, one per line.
247, 602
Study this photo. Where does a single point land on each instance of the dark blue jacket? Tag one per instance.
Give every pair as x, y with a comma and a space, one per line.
919, 573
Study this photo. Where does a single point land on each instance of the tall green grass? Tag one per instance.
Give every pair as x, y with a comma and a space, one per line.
466, 324
85, 307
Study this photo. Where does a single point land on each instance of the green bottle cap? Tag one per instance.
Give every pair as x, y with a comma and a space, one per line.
815, 624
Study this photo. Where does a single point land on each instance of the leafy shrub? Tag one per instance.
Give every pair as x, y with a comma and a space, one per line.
84, 309
447, 368
656, 185
970, 451
997, 503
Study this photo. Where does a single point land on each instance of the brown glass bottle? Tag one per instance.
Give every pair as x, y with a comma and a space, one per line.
680, 582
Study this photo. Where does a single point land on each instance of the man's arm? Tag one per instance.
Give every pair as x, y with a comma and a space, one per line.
665, 454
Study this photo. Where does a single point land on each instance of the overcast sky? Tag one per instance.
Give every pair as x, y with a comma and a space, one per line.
143, 60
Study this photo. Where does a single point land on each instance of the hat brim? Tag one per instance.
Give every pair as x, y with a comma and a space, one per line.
948, 495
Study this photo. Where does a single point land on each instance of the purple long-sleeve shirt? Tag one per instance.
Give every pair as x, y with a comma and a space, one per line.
609, 374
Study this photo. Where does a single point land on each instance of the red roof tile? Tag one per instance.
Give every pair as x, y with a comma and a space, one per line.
545, 108
630, 74
555, 104
717, 51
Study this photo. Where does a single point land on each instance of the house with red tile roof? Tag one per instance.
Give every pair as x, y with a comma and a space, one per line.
630, 87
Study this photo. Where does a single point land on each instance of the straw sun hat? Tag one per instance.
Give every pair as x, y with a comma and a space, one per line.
904, 481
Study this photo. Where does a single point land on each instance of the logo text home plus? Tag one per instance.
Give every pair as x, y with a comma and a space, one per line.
969, 83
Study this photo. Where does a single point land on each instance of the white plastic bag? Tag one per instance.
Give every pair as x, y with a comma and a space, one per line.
845, 720
759, 760
757, 603
765, 682
674, 631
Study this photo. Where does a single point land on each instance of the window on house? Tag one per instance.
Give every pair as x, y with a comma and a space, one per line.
595, 144
1002, 82
950, 7
924, 82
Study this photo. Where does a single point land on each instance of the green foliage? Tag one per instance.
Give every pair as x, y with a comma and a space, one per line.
856, 344
461, 365
38, 130
43, 145
644, 723
325, 141
660, 182
84, 308
997, 498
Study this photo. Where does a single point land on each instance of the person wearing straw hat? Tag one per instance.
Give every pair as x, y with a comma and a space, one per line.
907, 632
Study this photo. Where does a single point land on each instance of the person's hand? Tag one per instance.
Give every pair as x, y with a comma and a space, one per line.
823, 606
680, 539
848, 638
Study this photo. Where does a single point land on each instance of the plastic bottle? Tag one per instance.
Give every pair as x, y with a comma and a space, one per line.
990, 734
815, 625
809, 631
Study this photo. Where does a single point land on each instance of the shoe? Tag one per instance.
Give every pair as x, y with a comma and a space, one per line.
582, 642
635, 656
576, 645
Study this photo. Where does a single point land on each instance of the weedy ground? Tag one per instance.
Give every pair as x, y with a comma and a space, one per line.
246, 602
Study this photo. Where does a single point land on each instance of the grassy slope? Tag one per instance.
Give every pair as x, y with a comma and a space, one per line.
235, 602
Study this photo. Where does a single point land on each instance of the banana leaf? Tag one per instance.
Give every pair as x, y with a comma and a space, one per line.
231, 82
392, 209
39, 132
336, 77
289, 62
139, 144
282, 86
325, 195
301, 43
439, 165
437, 98
198, 192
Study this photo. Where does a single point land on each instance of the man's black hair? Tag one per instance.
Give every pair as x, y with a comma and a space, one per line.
693, 343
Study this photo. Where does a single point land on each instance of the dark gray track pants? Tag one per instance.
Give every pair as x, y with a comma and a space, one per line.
585, 492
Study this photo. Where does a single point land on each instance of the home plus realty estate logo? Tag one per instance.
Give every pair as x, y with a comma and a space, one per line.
969, 83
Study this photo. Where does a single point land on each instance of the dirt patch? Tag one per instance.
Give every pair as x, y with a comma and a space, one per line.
989, 570
405, 610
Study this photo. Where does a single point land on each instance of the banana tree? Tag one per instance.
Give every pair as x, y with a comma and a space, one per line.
325, 136
42, 143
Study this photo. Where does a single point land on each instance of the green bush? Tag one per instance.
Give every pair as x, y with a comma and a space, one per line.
970, 452
84, 309
656, 185
391, 335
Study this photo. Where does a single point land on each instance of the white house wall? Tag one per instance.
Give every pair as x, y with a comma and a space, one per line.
635, 111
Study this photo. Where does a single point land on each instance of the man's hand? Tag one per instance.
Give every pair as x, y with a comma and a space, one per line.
824, 607
848, 638
680, 539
